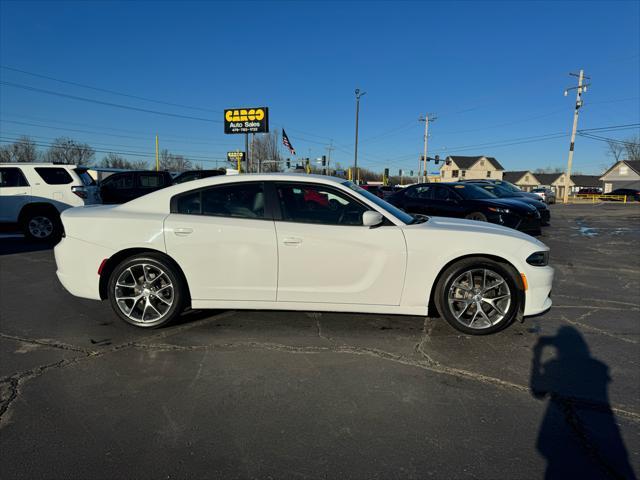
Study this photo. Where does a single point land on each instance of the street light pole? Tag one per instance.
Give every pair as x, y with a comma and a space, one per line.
580, 89
355, 155
426, 119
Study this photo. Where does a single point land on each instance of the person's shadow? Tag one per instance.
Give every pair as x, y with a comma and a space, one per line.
578, 437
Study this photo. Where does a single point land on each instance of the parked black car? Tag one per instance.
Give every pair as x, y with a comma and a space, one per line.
197, 175
630, 193
124, 186
502, 192
508, 185
466, 200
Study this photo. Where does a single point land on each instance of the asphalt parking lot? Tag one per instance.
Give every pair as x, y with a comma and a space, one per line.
240, 394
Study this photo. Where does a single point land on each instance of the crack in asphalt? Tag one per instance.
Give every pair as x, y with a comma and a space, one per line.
600, 331
10, 386
47, 343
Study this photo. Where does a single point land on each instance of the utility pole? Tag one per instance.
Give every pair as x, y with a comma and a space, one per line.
581, 88
426, 119
157, 159
246, 152
329, 149
355, 156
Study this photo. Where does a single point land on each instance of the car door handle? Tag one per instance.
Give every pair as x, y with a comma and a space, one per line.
182, 231
292, 241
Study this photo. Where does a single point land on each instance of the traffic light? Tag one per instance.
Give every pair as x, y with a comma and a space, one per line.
437, 159
411, 173
307, 165
324, 160
288, 163
385, 177
400, 172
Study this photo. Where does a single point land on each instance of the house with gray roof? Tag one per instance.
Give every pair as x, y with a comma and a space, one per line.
465, 168
623, 174
523, 179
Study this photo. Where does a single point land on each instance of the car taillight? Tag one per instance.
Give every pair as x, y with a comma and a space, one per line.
80, 191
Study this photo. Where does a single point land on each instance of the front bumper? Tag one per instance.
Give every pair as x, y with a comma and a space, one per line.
538, 295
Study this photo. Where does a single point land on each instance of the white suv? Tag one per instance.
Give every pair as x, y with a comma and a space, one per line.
33, 195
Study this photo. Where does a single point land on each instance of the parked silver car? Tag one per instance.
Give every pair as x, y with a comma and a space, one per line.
546, 194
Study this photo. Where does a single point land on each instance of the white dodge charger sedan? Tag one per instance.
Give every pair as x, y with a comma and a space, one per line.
297, 242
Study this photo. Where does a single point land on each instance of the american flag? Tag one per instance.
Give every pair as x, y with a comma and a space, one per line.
287, 143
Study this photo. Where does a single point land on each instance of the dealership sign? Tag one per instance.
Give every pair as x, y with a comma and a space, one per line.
246, 120
235, 157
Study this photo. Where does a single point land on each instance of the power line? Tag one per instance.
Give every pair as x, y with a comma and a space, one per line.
110, 104
112, 92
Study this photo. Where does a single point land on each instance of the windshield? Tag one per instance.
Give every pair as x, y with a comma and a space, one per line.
499, 191
473, 192
508, 186
399, 214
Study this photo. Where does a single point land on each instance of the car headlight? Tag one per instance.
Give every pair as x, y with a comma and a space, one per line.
538, 259
499, 210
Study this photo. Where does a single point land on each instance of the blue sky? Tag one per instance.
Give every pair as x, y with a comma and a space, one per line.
493, 73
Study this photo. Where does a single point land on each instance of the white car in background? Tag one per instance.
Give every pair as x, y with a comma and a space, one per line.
297, 242
32, 195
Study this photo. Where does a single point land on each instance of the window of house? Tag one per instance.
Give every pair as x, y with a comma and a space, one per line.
463, 173
624, 170
488, 173
526, 178
482, 163
454, 173
12, 177
54, 176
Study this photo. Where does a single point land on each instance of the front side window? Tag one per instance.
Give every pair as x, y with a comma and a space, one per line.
54, 176
149, 180
423, 192
443, 194
243, 200
12, 177
307, 203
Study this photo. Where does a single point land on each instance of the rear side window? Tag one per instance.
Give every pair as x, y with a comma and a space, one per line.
87, 179
150, 180
12, 177
119, 182
245, 200
54, 176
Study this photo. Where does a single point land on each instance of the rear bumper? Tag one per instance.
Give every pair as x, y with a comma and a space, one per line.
77, 266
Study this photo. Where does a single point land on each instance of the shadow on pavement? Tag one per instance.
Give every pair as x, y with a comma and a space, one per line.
578, 437
13, 245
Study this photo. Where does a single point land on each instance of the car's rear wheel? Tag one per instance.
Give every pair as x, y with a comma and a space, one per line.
42, 224
479, 216
146, 291
478, 296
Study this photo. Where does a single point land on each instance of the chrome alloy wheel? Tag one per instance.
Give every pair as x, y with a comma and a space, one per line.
144, 293
479, 298
40, 226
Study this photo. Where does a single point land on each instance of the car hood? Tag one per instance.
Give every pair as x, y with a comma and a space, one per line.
472, 227
511, 203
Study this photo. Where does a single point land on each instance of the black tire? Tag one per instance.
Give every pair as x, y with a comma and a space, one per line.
41, 224
137, 277
445, 288
479, 216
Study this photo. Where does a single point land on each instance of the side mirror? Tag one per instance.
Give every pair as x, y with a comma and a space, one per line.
371, 218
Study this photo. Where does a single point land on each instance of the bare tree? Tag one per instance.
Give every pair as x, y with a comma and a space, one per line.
66, 150
113, 160
174, 163
615, 150
632, 148
266, 152
22, 150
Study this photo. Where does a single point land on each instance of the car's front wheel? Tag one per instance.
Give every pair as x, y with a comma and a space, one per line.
478, 296
147, 291
479, 216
